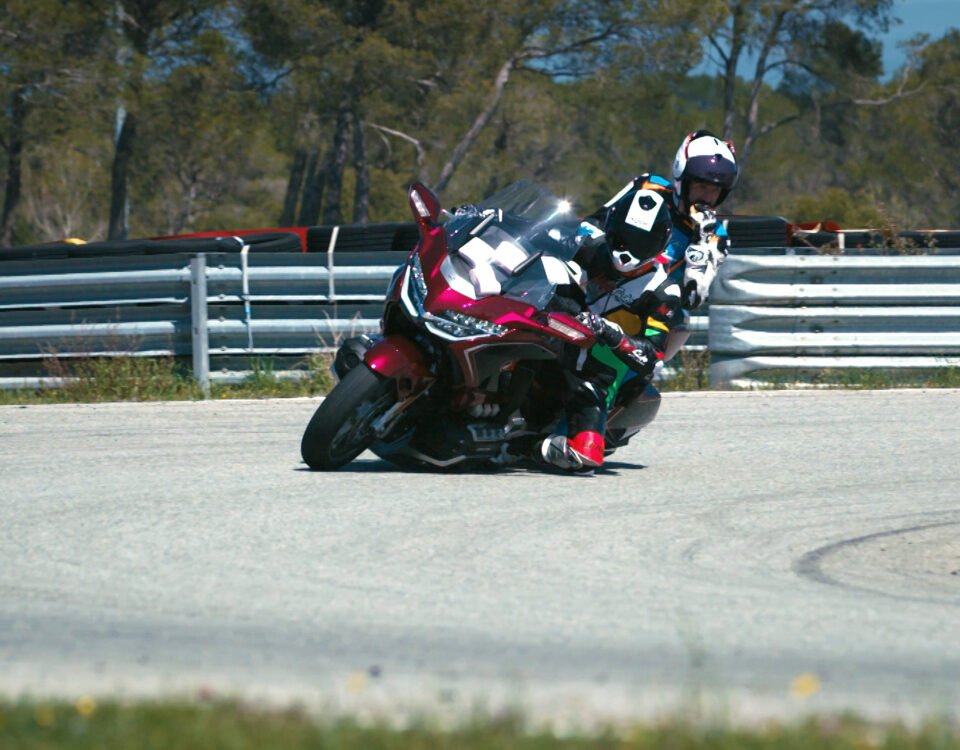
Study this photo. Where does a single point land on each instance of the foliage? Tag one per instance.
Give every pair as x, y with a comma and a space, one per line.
123, 378
838, 205
129, 378
854, 378
92, 379
214, 724
243, 113
200, 114
44, 46
263, 382
819, 48
692, 372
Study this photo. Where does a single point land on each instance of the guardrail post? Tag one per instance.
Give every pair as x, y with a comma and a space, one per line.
331, 287
198, 320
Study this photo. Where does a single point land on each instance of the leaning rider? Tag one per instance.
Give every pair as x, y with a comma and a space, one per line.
649, 255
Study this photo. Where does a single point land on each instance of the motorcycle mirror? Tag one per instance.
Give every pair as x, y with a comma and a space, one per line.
424, 204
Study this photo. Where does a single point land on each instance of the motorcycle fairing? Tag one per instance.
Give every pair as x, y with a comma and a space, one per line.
394, 356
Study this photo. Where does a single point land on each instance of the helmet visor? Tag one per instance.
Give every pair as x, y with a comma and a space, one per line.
713, 169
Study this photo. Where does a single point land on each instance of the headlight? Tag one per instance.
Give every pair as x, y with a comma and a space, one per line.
448, 324
413, 293
419, 283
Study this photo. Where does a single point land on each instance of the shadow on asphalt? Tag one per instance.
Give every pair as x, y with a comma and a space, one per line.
380, 466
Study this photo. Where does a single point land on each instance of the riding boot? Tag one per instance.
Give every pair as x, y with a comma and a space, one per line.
580, 454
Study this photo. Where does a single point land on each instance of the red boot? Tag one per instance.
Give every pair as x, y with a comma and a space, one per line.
582, 453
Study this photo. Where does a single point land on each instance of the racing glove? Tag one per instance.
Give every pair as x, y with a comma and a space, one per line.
639, 354
605, 331
589, 235
703, 258
705, 218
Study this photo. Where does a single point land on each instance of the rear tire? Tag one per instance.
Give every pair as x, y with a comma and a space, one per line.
340, 429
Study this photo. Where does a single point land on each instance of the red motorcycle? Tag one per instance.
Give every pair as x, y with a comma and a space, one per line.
480, 332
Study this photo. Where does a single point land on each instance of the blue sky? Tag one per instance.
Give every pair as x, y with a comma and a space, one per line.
932, 17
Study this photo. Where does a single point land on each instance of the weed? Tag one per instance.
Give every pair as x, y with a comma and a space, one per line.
129, 377
135, 378
87, 723
692, 372
118, 378
856, 378
312, 378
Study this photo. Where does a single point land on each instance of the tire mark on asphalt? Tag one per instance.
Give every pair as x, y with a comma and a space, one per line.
810, 565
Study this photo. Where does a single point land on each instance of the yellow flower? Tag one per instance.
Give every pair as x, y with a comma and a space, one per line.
805, 685
85, 706
44, 716
356, 682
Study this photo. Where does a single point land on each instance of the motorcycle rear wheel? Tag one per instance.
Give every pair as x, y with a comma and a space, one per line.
341, 427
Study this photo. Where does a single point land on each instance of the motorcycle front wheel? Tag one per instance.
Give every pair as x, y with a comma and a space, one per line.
342, 426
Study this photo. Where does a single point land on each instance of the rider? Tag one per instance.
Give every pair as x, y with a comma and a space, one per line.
649, 254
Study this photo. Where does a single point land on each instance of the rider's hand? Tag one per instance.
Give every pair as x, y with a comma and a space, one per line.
702, 260
469, 209
606, 332
705, 218
589, 235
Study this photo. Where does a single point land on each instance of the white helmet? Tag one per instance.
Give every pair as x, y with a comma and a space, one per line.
703, 157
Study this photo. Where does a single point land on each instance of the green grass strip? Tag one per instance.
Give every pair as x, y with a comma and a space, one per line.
233, 726
128, 378
99, 379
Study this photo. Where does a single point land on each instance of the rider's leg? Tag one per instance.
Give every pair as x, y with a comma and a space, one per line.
677, 338
581, 450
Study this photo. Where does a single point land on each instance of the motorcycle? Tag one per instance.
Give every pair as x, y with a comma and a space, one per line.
478, 329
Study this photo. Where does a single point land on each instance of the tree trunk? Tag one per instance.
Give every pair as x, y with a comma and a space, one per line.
753, 108
316, 178
294, 184
731, 61
361, 195
500, 143
331, 200
479, 124
117, 229
188, 197
18, 115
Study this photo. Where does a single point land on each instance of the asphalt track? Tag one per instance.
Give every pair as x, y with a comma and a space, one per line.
755, 555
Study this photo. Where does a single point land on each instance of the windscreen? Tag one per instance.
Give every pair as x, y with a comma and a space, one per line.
529, 231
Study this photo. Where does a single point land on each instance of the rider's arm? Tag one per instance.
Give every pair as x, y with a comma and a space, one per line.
639, 353
659, 307
656, 308
703, 258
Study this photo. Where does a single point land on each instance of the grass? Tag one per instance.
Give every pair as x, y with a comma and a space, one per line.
864, 379
263, 382
128, 378
691, 372
235, 726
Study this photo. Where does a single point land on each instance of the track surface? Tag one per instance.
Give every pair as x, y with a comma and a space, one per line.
757, 554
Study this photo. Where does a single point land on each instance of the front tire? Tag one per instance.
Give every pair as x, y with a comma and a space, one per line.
341, 427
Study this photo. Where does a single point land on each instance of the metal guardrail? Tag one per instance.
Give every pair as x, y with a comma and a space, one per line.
287, 304
220, 309
805, 313
768, 313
